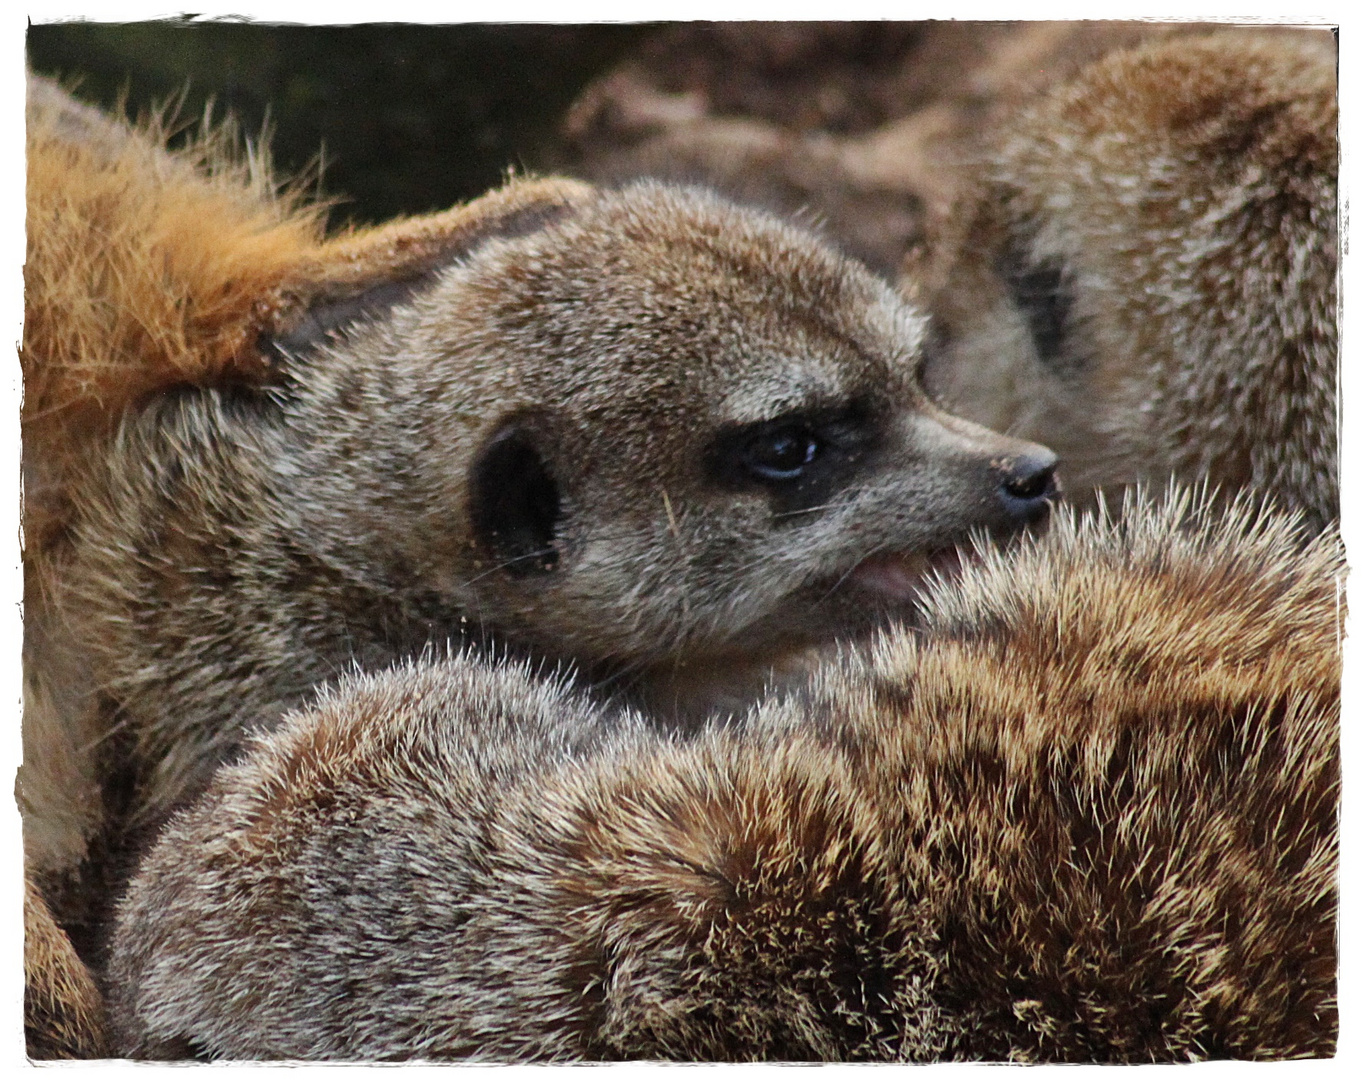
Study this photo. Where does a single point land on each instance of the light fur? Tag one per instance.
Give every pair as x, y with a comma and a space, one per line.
1090, 815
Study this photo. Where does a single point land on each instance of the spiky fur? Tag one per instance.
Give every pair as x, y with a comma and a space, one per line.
1145, 271
63, 1008
1088, 815
264, 459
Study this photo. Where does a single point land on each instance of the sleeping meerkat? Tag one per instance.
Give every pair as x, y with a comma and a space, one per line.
1088, 816
1145, 275
638, 431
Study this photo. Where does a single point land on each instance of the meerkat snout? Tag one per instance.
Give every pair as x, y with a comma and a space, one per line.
1029, 485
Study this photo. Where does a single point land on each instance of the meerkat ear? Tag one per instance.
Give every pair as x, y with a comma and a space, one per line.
364, 274
150, 269
515, 503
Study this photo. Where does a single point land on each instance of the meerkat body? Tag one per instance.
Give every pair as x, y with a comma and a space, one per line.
538, 453
1146, 270
1089, 816
641, 432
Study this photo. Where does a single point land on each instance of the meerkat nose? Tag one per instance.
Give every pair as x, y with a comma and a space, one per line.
1029, 484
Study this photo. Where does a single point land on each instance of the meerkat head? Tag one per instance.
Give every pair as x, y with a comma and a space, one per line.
656, 427
1144, 276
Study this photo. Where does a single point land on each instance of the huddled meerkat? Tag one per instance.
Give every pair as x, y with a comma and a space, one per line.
63, 1006
1089, 815
639, 431
1138, 315
1145, 271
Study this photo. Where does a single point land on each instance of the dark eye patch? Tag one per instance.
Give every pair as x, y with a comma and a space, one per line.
1041, 293
800, 459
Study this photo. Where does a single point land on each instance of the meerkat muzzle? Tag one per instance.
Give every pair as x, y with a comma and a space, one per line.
1029, 486
900, 575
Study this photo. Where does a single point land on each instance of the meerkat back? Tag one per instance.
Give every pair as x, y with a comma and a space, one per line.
1145, 274
1091, 816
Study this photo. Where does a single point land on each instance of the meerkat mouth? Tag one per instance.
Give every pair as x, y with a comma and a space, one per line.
900, 575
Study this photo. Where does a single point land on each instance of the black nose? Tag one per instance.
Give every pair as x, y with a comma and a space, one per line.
1029, 485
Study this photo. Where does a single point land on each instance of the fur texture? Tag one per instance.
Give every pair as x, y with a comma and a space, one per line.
1090, 815
1146, 271
63, 1008
148, 270
645, 432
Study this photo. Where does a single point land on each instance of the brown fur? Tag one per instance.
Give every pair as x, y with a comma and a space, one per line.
63, 1008
521, 424
1090, 816
147, 270
1144, 276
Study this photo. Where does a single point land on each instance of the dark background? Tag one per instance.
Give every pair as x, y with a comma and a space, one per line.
407, 118
861, 130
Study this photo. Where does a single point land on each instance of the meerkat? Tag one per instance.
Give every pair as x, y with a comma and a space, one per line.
1089, 815
641, 431
1146, 270
148, 272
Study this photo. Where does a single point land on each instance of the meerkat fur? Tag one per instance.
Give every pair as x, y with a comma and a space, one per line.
1089, 816
148, 270
151, 272
643, 432
1145, 272
63, 1007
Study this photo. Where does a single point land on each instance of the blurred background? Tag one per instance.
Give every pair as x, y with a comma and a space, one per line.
864, 130
407, 118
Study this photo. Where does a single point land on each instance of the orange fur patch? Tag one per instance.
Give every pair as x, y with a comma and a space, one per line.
149, 269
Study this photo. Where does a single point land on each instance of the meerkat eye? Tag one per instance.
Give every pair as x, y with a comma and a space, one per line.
793, 455
782, 455
1043, 297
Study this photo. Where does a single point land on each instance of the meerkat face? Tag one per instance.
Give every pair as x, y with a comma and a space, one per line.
1145, 276
711, 440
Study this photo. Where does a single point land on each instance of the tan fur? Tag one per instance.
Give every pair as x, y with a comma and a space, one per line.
1169, 220
519, 425
63, 1008
1089, 816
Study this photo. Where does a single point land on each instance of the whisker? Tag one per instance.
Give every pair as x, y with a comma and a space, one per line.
809, 509
509, 562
